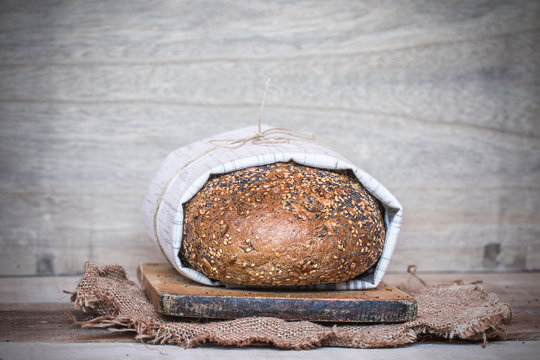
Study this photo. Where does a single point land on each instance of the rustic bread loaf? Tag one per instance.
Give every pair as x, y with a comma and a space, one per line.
282, 225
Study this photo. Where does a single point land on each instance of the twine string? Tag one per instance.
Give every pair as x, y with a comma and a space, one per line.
411, 269
266, 137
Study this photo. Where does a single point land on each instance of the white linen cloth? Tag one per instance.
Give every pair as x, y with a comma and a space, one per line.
186, 170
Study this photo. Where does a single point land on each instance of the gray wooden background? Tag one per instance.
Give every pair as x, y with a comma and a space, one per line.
439, 100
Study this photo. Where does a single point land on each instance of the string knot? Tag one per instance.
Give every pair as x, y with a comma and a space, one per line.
266, 137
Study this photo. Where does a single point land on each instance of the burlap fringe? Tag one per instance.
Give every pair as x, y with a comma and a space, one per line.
120, 306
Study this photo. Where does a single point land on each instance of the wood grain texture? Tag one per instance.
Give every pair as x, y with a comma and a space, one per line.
93, 96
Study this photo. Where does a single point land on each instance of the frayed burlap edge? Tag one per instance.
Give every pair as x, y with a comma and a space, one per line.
448, 311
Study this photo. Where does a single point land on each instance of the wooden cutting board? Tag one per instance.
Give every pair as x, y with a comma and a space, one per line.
173, 294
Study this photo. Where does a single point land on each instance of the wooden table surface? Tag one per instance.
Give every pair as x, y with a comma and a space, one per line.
34, 325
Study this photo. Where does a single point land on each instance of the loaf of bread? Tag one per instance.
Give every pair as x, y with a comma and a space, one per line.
282, 224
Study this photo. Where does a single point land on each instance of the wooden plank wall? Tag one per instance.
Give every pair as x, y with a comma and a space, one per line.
439, 100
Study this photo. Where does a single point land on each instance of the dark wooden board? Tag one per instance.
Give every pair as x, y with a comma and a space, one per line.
173, 294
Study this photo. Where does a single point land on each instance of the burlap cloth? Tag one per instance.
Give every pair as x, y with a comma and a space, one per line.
449, 311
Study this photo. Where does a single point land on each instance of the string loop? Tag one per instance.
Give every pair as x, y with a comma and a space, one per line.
411, 269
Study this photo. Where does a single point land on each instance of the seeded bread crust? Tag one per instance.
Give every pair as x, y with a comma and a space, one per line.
282, 224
